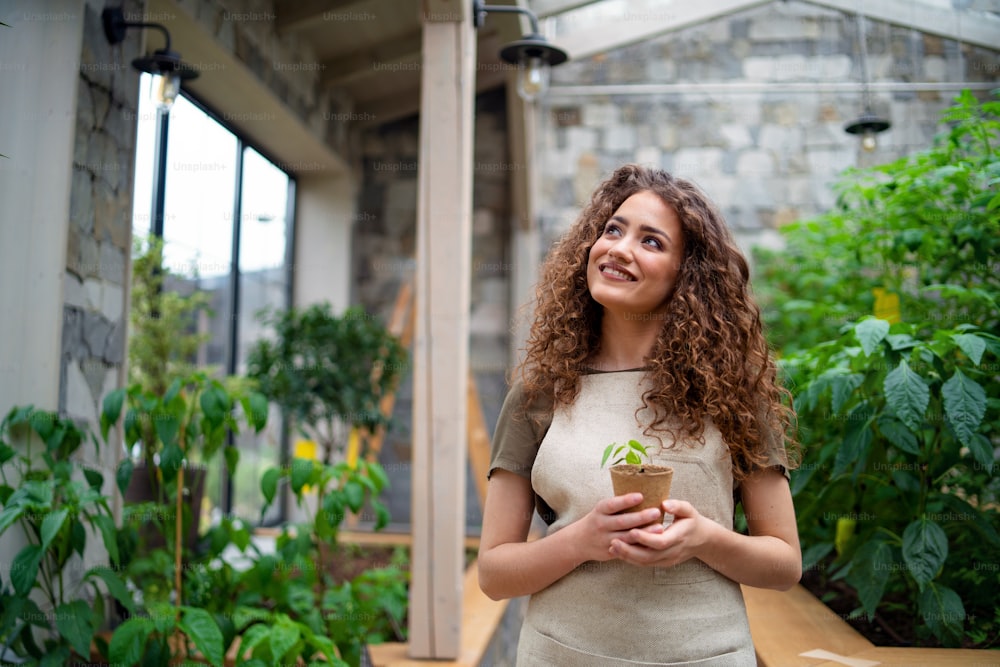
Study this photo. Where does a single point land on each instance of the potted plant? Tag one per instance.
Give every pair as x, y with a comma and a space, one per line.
55, 503
630, 474
190, 422
328, 373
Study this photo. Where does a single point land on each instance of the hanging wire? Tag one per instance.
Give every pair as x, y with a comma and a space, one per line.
862, 40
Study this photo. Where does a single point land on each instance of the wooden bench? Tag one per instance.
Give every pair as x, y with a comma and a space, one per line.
786, 625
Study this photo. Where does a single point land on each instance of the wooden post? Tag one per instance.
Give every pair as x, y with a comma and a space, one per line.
440, 349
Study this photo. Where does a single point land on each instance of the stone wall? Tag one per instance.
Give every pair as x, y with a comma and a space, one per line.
384, 242
99, 238
282, 62
765, 155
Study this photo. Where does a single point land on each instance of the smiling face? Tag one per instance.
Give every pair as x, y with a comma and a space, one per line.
633, 265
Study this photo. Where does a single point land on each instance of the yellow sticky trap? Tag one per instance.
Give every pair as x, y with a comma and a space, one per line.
305, 449
353, 448
886, 305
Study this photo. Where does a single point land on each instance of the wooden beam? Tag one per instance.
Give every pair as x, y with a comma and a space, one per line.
296, 14
646, 24
373, 61
979, 28
441, 343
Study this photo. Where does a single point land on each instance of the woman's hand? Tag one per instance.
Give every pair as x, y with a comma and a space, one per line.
666, 546
603, 526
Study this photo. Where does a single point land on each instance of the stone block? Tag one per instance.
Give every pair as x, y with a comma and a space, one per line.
935, 69
600, 114
649, 156
758, 68
619, 138
80, 402
95, 332
660, 70
824, 135
113, 261
735, 136
586, 177
112, 302
74, 293
114, 349
580, 139
692, 162
483, 222
81, 198
771, 28
755, 163
666, 136
827, 163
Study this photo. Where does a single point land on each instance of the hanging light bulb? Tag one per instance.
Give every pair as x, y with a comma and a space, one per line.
532, 54
868, 125
532, 78
164, 90
165, 66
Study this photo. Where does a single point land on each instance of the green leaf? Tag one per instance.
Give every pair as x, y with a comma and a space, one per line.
9, 516
870, 570
857, 440
301, 472
943, 612
354, 494
284, 635
896, 432
171, 459
94, 478
972, 345
907, 394
51, 525
215, 404
965, 405
382, 515
982, 451
269, 484
232, 455
167, 428
925, 548
870, 333
129, 640
257, 412
842, 386
73, 620
106, 525
123, 475
24, 569
111, 410
253, 636
116, 587
199, 625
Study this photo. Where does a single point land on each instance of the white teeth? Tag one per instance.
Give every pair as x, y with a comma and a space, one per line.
616, 273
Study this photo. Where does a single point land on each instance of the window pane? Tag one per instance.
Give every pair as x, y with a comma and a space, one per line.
263, 283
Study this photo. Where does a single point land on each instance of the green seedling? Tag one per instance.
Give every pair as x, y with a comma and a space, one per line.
628, 453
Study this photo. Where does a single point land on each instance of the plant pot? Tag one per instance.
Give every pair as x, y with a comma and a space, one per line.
145, 488
652, 481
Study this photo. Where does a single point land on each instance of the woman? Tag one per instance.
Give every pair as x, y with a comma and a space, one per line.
644, 328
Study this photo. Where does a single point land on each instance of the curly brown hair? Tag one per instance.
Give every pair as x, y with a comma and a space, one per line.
710, 359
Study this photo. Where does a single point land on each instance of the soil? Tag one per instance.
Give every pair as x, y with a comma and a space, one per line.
887, 628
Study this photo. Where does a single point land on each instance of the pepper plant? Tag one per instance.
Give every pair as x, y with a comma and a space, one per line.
899, 413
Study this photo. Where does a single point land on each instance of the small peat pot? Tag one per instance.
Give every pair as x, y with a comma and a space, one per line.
652, 481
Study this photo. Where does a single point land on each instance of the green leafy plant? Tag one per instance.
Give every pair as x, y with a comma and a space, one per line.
632, 452
350, 613
898, 414
191, 422
52, 499
163, 339
328, 373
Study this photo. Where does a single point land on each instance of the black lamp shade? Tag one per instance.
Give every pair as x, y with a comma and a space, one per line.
867, 123
533, 46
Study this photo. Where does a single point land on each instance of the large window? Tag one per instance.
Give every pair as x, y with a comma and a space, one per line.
227, 230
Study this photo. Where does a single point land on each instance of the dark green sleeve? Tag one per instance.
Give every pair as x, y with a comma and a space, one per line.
519, 432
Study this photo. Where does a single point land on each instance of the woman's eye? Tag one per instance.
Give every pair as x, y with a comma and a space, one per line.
611, 229
654, 242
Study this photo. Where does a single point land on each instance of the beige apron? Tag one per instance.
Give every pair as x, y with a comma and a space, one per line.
613, 613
